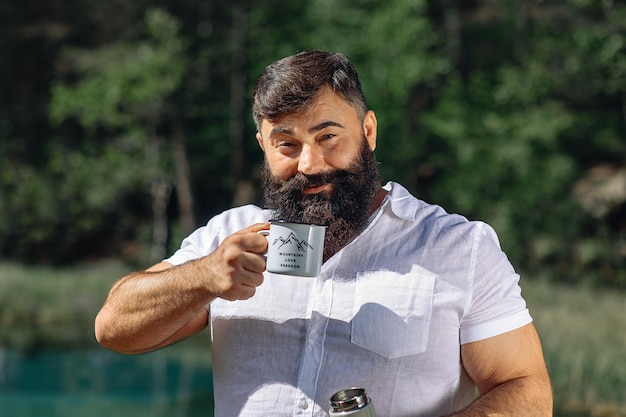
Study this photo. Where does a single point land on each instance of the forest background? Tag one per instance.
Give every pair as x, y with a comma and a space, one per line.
125, 125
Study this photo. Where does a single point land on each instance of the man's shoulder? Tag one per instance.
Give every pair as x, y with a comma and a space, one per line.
406, 205
245, 210
429, 217
247, 214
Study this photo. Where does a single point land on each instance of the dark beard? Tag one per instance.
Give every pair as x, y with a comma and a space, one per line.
344, 210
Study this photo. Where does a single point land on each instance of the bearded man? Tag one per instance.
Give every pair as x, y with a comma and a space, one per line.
418, 306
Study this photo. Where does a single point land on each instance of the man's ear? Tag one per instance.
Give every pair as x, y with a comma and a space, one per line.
260, 140
369, 129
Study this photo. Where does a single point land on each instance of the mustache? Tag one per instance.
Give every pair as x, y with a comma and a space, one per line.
301, 181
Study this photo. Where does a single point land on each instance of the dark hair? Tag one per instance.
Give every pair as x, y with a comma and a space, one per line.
291, 84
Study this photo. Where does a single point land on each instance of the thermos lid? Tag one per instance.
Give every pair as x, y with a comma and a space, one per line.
349, 399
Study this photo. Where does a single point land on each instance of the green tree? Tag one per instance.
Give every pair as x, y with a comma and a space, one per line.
522, 120
126, 89
497, 110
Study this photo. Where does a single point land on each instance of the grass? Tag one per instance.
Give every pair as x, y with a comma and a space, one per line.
583, 329
45, 307
583, 332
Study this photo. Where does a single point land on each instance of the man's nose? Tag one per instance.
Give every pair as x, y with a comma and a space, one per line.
311, 161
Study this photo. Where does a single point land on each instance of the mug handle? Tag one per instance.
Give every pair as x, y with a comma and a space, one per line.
265, 233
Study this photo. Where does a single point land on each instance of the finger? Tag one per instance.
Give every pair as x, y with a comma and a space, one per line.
254, 263
255, 228
254, 242
247, 284
253, 280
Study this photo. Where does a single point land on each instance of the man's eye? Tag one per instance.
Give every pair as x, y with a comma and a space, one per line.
328, 136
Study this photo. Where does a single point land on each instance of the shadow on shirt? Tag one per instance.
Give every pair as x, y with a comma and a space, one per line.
260, 365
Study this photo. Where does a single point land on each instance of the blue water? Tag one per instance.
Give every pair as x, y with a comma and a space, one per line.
95, 382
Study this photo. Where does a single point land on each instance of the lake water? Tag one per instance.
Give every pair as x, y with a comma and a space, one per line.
95, 382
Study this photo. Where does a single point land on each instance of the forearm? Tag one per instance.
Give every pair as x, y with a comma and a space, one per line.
144, 309
522, 397
153, 308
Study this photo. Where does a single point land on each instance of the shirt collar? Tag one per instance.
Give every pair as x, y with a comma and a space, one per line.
402, 203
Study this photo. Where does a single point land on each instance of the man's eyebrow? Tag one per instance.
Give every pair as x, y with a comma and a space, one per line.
277, 130
324, 125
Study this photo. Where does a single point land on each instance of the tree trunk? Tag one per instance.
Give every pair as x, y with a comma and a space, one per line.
237, 101
183, 180
160, 191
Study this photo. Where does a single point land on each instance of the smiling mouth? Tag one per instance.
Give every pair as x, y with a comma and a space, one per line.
315, 188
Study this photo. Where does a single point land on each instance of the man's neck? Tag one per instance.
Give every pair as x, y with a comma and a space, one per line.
377, 201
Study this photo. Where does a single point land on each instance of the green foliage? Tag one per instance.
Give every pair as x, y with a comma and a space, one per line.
392, 43
513, 139
495, 110
501, 162
74, 196
123, 83
84, 190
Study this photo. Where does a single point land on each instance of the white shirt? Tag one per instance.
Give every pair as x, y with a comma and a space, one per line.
387, 313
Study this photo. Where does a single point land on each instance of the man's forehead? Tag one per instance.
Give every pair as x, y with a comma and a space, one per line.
288, 121
328, 109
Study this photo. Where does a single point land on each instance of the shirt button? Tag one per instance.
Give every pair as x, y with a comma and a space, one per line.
303, 404
313, 336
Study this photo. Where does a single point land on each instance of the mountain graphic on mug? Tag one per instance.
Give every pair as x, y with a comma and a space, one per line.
292, 239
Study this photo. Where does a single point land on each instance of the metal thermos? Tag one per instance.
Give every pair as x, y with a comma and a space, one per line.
352, 402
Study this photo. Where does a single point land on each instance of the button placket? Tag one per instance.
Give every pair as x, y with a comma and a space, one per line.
314, 347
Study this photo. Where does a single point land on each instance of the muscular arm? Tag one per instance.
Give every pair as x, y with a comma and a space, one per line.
163, 304
511, 375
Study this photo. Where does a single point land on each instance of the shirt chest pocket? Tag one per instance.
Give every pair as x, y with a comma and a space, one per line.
392, 312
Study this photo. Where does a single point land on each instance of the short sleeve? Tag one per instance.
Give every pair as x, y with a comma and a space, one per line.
201, 242
206, 239
496, 304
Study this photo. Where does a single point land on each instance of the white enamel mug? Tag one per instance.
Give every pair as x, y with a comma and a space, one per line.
294, 248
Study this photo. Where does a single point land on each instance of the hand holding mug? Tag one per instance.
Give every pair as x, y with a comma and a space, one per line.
235, 269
